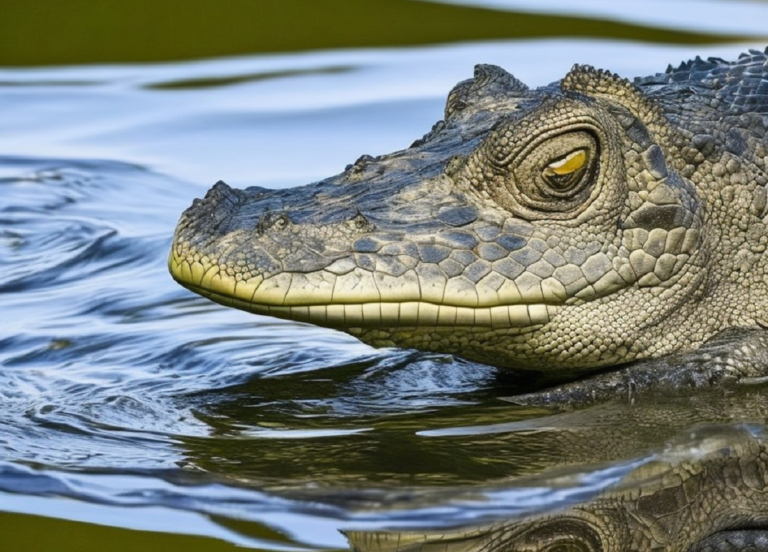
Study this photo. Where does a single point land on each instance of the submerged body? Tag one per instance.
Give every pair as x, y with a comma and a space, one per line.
588, 223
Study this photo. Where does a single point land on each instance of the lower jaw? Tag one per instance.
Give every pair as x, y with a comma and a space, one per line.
409, 314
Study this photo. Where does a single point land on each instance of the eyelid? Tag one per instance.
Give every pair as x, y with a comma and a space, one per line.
568, 164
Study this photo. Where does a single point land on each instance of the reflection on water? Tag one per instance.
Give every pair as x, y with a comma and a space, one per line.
675, 501
251, 132
127, 402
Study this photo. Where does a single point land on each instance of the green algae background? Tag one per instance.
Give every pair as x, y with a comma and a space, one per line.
70, 536
85, 31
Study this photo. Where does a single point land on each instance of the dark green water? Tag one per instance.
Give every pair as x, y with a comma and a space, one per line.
136, 414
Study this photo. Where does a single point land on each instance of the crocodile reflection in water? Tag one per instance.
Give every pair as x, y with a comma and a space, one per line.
714, 501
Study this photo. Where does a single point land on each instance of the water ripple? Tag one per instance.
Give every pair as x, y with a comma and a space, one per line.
121, 390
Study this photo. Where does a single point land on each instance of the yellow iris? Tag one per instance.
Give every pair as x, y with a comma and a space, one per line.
567, 165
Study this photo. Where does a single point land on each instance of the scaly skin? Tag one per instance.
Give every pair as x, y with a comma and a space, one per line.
588, 223
716, 502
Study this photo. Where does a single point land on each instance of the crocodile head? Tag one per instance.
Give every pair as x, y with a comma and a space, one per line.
556, 230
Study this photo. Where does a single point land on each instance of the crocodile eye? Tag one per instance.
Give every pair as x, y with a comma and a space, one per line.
566, 173
560, 535
557, 174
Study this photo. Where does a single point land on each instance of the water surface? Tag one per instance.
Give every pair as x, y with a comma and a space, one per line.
137, 412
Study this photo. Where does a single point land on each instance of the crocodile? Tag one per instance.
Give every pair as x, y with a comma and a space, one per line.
555, 231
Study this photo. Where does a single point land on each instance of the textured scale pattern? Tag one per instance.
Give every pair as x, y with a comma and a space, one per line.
715, 503
590, 222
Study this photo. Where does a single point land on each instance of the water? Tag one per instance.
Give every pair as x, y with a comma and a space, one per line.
136, 412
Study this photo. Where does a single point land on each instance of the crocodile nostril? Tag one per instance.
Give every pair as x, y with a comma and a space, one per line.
221, 192
214, 209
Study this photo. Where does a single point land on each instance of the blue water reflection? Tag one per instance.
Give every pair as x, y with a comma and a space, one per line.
125, 400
